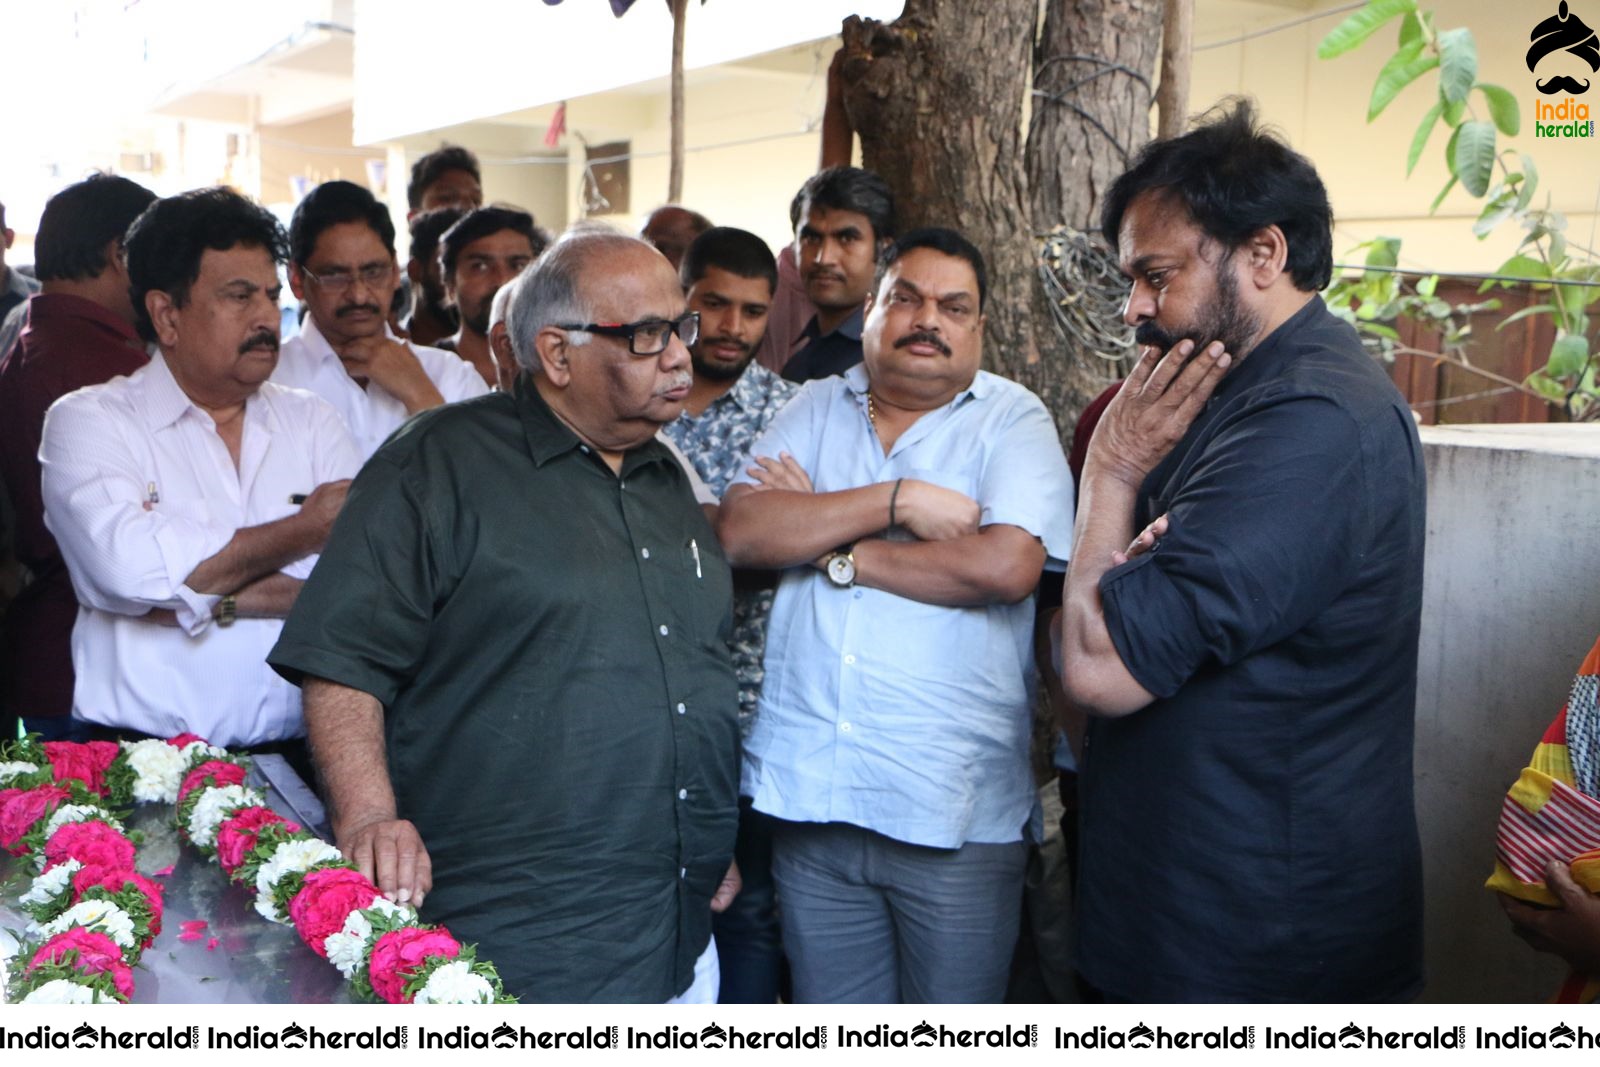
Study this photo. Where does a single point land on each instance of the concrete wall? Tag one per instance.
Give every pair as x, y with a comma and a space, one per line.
1511, 604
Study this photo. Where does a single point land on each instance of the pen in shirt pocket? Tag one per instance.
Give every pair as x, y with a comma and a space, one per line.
694, 550
151, 496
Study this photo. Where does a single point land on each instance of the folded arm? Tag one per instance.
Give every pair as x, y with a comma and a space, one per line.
998, 565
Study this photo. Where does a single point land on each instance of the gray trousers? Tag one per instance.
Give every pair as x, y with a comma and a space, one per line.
871, 920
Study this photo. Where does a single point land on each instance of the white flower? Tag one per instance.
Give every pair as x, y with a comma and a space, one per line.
64, 991
99, 915
158, 770
214, 804
49, 885
288, 856
347, 949
388, 908
70, 813
199, 748
454, 983
15, 769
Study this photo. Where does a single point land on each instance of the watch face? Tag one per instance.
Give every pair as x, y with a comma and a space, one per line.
841, 570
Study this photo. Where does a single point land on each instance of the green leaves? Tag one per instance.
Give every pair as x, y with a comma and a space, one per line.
1472, 156
1458, 64
1530, 181
1502, 108
1568, 356
1403, 68
1361, 25
1419, 140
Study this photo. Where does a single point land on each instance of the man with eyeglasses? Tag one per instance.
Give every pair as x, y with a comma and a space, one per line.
342, 265
912, 504
514, 653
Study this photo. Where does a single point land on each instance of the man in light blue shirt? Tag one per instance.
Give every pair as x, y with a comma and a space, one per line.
913, 503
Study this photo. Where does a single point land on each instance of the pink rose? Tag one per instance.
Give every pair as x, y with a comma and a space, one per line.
326, 900
96, 954
237, 836
116, 881
217, 772
86, 762
184, 739
397, 955
20, 809
92, 843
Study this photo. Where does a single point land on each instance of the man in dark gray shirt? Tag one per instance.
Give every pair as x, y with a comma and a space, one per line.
1248, 828
517, 681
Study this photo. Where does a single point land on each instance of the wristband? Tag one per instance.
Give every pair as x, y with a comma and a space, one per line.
893, 493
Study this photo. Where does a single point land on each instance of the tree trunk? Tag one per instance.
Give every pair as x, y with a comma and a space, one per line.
936, 97
1177, 62
1093, 70
680, 16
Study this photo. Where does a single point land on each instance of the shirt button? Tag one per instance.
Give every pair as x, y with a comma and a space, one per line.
645, 552
683, 872
683, 794
850, 658
844, 727
681, 709
858, 594
663, 629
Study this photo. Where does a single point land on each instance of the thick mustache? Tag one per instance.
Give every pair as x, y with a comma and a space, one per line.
1563, 84
1153, 336
823, 272
260, 339
923, 338
681, 380
351, 309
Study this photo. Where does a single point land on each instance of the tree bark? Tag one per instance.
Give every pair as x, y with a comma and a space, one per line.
1093, 70
680, 16
1177, 62
936, 98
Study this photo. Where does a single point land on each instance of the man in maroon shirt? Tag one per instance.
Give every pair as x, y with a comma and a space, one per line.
79, 332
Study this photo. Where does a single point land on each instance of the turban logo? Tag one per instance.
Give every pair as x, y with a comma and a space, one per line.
1564, 31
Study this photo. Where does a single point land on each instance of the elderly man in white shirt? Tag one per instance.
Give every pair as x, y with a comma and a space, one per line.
190, 498
342, 264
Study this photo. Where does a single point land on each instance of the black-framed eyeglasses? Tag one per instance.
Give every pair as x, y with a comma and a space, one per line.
647, 337
372, 276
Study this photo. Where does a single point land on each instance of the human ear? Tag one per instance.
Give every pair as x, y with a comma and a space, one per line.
163, 314
553, 350
1266, 256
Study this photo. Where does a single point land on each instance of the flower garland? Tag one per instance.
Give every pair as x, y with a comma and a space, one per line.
93, 914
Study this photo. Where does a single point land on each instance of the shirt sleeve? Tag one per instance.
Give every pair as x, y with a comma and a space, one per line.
1265, 532
334, 457
455, 378
795, 430
1026, 481
383, 551
702, 492
123, 556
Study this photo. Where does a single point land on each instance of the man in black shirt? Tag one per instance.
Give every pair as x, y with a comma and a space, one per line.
1248, 827
514, 652
843, 216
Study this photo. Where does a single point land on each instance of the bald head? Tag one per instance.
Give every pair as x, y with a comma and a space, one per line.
672, 229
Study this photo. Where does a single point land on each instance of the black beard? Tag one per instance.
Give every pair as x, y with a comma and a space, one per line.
1226, 320
719, 372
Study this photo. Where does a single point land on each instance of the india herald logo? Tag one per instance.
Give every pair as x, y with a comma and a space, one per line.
1565, 33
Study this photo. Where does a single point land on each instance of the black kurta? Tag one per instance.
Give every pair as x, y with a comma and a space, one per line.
549, 642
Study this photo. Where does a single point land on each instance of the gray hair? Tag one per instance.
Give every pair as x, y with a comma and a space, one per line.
546, 293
